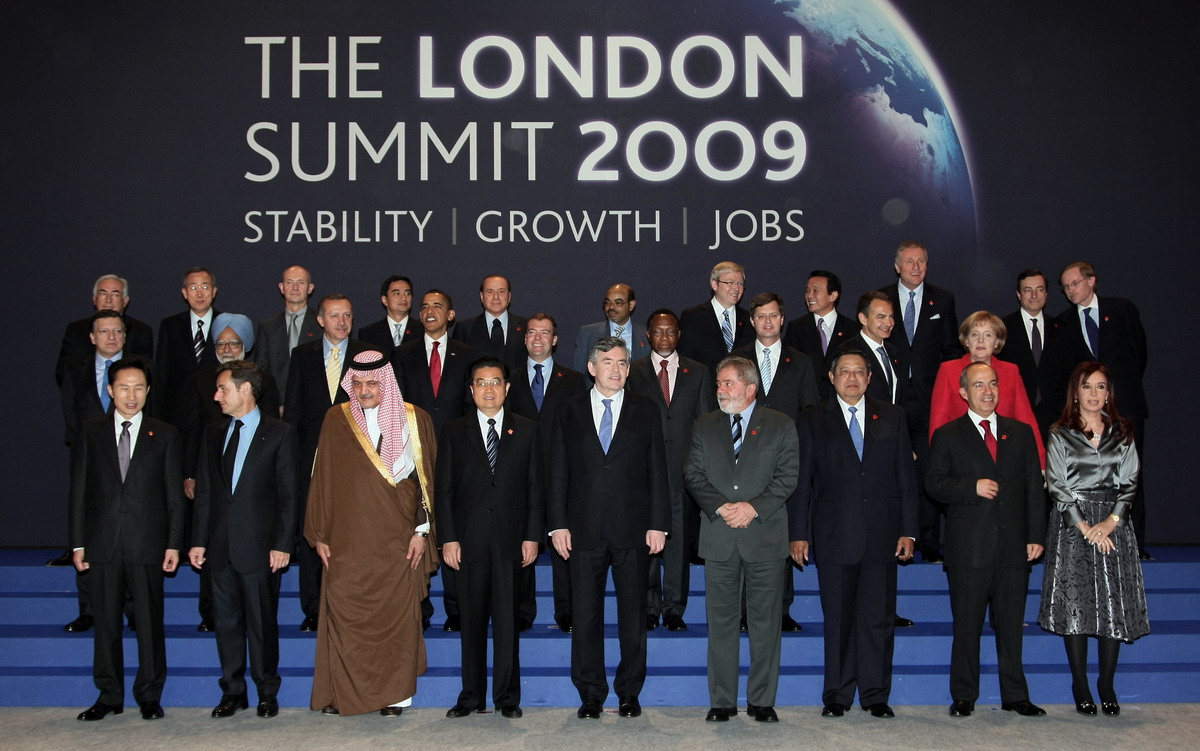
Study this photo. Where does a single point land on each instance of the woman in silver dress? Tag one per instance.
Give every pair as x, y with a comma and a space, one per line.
1093, 585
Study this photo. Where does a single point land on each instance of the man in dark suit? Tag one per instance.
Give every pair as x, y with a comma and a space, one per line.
126, 527
620, 301
683, 391
929, 336
432, 373
856, 512
741, 469
608, 506
1038, 345
537, 393
185, 343
314, 385
495, 331
887, 383
820, 331
296, 324
985, 468
244, 532
397, 327
1109, 330
709, 331
110, 292
491, 519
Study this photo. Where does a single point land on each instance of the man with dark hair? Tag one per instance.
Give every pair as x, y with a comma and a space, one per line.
711, 330
126, 528
620, 300
873, 340
819, 332
491, 519
244, 531
278, 335
495, 331
185, 343
1042, 353
397, 327
110, 292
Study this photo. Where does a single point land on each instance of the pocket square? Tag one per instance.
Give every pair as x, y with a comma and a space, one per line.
935, 316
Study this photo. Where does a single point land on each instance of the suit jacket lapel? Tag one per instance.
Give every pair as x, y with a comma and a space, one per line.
837, 424
145, 436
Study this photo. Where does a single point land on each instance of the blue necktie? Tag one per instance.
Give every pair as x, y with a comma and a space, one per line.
856, 433
1093, 332
538, 386
888, 375
606, 425
105, 399
910, 316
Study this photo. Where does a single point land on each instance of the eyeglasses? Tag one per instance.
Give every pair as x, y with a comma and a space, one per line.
767, 316
231, 344
484, 383
733, 285
1074, 284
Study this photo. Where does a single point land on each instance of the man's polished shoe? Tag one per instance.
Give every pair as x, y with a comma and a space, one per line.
720, 714
789, 625
309, 623
79, 625
1024, 708
629, 707
833, 710
932, 556
512, 713
268, 707
762, 714
1110, 708
330, 710
1086, 708
424, 624
1143, 554
152, 710
230, 705
453, 623
524, 624
961, 709
391, 711
66, 559
651, 622
564, 624
880, 710
457, 711
590, 710
97, 712
902, 622
674, 623
206, 626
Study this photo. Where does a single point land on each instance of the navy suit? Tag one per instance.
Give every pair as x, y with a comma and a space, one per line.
802, 334
379, 334
77, 344
878, 389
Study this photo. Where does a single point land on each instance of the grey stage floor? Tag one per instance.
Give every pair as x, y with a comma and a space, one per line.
1140, 727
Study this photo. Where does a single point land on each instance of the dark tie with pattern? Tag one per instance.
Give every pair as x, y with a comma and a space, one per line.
538, 386
737, 436
493, 444
1093, 332
664, 381
1037, 342
198, 340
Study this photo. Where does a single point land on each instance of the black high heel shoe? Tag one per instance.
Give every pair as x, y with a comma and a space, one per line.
1086, 708
1110, 708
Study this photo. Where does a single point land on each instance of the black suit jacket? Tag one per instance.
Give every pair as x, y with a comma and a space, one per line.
701, 338
1122, 349
878, 388
271, 349
81, 400
202, 410
241, 527
77, 344
982, 532
379, 334
135, 520
851, 511
794, 387
453, 398
307, 398
483, 511
177, 362
562, 383
936, 341
1048, 377
474, 333
802, 334
608, 499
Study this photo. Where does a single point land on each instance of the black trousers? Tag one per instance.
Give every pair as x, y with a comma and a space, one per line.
109, 583
971, 591
487, 590
589, 575
859, 606
246, 608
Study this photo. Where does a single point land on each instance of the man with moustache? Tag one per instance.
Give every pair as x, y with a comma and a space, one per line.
819, 332
397, 326
1042, 353
620, 301
110, 292
278, 335
709, 331
185, 343
496, 331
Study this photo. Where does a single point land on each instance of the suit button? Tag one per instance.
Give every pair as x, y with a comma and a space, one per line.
735, 487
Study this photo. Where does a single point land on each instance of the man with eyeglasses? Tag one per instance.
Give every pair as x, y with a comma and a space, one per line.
110, 292
186, 343
710, 331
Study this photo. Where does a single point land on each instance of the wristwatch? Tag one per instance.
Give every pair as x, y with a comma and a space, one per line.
421, 534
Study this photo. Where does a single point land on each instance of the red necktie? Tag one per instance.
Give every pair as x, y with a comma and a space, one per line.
664, 380
435, 369
989, 440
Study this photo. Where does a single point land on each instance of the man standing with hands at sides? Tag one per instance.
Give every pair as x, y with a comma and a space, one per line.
244, 530
126, 525
741, 470
819, 332
491, 519
708, 332
855, 511
495, 331
296, 324
608, 505
985, 468
185, 343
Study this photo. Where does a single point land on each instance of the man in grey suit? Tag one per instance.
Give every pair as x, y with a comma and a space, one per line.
619, 303
278, 335
743, 466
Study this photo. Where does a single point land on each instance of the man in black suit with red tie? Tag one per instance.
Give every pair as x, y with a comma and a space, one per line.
110, 292
536, 393
819, 332
126, 528
314, 385
985, 468
608, 506
683, 391
1038, 345
490, 521
711, 330
855, 511
496, 331
185, 343
927, 336
398, 326
244, 532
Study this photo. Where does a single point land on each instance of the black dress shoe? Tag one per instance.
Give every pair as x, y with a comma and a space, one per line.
1024, 708
651, 622
1086, 708
152, 710
268, 707
961, 709
453, 623
230, 705
457, 711
1143, 554
902, 622
512, 713
424, 624
789, 625
309, 623
629, 707
564, 624
932, 556
524, 624
674, 623
66, 559
97, 712
720, 714
833, 710
590, 710
206, 626
1110, 708
79, 625
879, 710
330, 710
762, 714
391, 711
